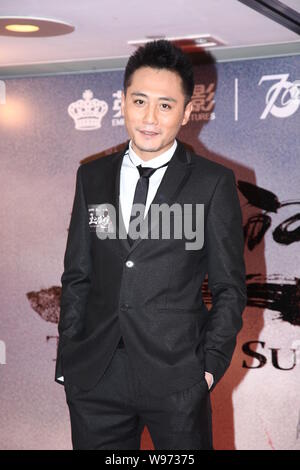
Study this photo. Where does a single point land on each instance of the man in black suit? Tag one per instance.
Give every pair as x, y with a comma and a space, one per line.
137, 345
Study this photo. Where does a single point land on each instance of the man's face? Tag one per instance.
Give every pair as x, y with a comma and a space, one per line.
154, 110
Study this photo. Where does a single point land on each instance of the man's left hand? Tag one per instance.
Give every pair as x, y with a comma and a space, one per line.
209, 379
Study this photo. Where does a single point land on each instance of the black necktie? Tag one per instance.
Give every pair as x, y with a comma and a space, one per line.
140, 196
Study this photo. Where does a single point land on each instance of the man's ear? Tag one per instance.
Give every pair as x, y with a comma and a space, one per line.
187, 112
122, 102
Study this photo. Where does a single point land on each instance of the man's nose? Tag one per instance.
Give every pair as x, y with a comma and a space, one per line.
150, 116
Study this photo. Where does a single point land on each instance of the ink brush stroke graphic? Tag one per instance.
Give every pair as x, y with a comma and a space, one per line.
274, 292
258, 224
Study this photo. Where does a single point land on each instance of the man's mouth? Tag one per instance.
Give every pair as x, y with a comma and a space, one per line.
148, 133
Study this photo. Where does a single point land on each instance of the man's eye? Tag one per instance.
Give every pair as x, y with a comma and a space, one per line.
138, 101
166, 106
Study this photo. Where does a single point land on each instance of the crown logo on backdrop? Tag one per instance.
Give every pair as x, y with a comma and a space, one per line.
89, 112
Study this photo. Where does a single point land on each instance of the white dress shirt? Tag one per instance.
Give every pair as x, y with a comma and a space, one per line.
130, 176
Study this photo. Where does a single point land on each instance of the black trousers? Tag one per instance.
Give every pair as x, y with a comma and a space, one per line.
113, 414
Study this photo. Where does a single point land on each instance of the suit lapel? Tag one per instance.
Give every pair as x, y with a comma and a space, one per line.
119, 223
175, 177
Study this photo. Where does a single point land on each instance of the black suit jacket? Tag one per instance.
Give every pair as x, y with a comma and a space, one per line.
155, 302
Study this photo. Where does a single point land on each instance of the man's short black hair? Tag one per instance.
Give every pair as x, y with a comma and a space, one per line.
162, 54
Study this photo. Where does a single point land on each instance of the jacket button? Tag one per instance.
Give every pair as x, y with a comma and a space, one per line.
129, 264
124, 307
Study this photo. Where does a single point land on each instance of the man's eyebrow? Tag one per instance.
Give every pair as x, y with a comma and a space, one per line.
165, 98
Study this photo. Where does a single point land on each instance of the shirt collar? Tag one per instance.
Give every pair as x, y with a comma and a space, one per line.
154, 162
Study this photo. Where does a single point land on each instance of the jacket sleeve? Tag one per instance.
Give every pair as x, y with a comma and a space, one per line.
76, 277
226, 275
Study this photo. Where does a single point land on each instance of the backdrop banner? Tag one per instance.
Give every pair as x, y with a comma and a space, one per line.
247, 117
